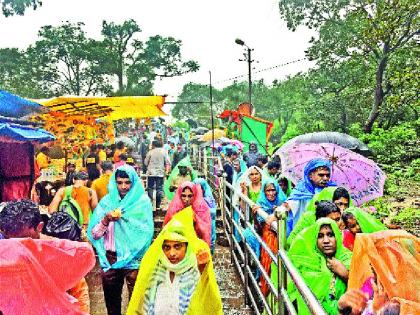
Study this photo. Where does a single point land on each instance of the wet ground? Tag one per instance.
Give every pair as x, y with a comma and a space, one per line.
230, 287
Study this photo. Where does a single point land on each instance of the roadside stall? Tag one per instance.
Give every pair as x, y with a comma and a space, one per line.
17, 141
79, 122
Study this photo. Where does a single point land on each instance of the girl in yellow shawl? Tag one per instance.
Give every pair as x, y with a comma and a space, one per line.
176, 274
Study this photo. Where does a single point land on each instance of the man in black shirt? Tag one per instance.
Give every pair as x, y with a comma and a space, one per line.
92, 163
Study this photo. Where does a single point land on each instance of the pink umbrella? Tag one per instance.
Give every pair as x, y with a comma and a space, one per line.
360, 176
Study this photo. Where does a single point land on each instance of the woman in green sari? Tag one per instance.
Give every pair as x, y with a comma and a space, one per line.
322, 260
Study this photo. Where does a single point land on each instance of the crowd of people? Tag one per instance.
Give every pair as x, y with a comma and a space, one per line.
105, 210
322, 228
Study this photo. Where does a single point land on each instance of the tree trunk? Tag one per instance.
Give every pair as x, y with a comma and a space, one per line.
379, 91
120, 74
344, 126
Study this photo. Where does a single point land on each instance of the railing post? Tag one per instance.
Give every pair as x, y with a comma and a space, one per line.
246, 256
231, 223
281, 272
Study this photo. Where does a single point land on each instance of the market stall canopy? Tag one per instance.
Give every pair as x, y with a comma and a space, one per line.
17, 107
19, 133
114, 107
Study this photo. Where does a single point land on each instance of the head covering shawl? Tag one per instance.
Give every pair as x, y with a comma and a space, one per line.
134, 231
326, 194
184, 162
312, 265
205, 297
367, 222
244, 178
267, 205
207, 193
201, 210
305, 189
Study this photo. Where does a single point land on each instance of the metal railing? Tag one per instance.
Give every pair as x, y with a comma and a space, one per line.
244, 257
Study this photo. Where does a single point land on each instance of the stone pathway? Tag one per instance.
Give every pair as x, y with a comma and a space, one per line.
228, 280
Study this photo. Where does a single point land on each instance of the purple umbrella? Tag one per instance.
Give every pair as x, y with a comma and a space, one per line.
359, 175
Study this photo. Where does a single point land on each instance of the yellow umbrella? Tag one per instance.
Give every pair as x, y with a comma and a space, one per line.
218, 133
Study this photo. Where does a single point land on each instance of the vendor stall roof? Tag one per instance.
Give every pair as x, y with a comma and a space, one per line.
15, 106
19, 133
113, 107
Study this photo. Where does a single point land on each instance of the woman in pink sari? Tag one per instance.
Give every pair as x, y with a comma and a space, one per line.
189, 194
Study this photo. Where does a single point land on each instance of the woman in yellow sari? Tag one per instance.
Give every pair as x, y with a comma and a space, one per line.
176, 275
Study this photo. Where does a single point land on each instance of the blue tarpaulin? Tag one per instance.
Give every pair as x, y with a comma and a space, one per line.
24, 133
15, 106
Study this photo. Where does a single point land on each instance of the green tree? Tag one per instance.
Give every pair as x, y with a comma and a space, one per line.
12, 7
369, 31
69, 61
136, 63
194, 103
18, 74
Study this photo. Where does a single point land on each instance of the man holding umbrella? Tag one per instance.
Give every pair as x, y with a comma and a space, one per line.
316, 177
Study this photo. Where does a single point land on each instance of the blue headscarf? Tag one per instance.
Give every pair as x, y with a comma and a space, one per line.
133, 232
237, 175
267, 205
207, 193
305, 189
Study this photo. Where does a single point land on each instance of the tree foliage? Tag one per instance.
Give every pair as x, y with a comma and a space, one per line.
64, 60
366, 31
137, 63
18, 7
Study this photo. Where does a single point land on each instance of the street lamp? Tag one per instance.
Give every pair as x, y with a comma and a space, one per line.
248, 59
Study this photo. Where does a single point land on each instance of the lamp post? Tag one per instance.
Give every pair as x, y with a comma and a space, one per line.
248, 59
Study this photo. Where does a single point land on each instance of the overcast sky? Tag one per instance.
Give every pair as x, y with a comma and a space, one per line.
207, 29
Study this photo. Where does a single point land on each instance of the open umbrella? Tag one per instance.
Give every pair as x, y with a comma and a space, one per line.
342, 139
127, 141
359, 175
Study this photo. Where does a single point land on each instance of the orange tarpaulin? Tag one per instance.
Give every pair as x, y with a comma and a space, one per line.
394, 255
35, 275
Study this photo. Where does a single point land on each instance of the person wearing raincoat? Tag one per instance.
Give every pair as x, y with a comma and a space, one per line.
190, 194
250, 185
239, 168
121, 230
211, 203
178, 176
285, 185
271, 197
252, 155
322, 260
357, 221
384, 272
176, 275
316, 177
338, 195
35, 275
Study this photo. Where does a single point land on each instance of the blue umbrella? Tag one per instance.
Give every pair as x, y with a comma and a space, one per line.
15, 106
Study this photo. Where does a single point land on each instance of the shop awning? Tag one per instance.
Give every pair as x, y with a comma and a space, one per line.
112, 107
19, 133
16, 107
